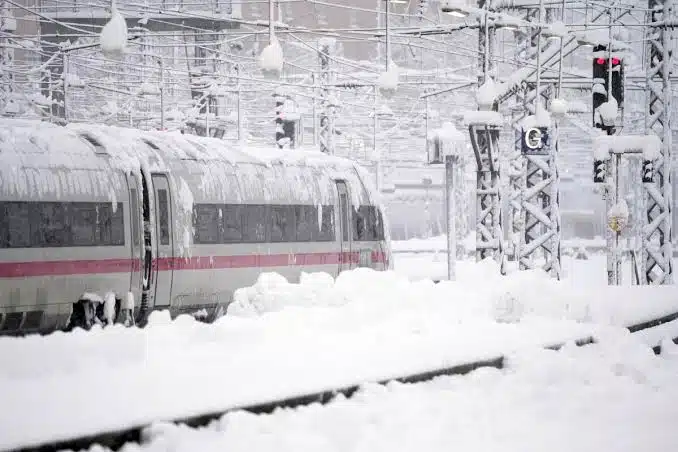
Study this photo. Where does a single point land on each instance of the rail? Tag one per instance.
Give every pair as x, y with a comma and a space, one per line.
116, 439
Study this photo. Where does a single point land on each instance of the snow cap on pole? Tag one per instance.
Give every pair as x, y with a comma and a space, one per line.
113, 37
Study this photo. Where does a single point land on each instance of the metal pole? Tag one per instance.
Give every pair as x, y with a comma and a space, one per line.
241, 135
271, 15
560, 56
315, 109
450, 211
388, 41
162, 95
537, 96
617, 235
64, 74
375, 119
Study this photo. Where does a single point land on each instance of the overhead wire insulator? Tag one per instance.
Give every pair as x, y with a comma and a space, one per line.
423, 7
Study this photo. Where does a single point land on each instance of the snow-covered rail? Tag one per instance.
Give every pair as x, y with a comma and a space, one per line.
136, 434
286, 344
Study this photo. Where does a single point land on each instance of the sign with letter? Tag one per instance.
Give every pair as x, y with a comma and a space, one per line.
535, 141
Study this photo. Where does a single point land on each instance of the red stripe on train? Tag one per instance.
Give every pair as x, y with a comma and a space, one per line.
87, 267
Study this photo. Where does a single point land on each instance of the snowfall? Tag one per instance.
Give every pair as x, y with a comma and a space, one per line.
281, 340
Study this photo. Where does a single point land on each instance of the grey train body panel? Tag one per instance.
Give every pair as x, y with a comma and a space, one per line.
171, 221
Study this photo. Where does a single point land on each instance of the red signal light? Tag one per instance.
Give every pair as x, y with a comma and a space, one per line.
600, 60
615, 60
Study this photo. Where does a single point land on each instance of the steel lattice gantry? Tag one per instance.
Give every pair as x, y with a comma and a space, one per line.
657, 252
326, 134
7, 27
489, 243
537, 221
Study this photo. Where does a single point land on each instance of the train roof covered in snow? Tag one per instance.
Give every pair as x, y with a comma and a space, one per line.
40, 159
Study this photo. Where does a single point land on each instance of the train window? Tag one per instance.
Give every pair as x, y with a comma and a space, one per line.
134, 209
206, 223
233, 223
55, 224
360, 224
52, 225
380, 226
283, 223
163, 210
307, 222
366, 224
326, 231
117, 236
254, 223
15, 227
343, 202
83, 224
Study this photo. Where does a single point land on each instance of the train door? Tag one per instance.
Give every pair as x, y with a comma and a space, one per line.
164, 249
344, 225
135, 232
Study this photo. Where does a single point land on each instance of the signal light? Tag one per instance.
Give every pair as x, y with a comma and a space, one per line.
600, 60
648, 171
615, 61
599, 171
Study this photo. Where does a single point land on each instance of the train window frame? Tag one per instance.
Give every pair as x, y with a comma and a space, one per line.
232, 220
306, 223
283, 218
263, 214
213, 224
328, 218
64, 232
163, 216
366, 224
5, 226
135, 218
80, 224
33, 212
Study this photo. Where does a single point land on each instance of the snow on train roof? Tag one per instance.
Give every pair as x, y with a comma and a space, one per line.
40, 160
76, 146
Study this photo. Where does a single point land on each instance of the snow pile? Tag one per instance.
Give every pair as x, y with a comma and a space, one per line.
487, 94
73, 81
542, 118
148, 88
113, 38
283, 339
559, 107
556, 29
388, 81
618, 216
649, 145
271, 59
608, 111
612, 396
273, 292
577, 106
491, 118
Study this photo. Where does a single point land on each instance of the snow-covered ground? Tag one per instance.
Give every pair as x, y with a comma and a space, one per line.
614, 396
282, 340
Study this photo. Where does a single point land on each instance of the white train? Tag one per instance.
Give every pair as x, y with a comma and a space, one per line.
103, 224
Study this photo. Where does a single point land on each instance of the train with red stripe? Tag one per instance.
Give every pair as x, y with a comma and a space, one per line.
102, 224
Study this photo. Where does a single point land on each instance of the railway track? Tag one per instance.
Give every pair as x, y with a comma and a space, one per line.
116, 439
